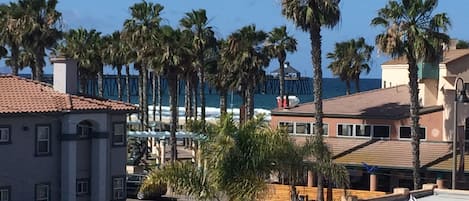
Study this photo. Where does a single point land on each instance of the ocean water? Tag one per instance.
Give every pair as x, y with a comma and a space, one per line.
332, 87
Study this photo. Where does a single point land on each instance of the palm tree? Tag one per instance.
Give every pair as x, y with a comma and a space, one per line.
83, 46
237, 159
350, 58
203, 39
291, 157
172, 57
114, 55
278, 44
219, 74
140, 30
11, 35
311, 15
411, 30
246, 52
41, 26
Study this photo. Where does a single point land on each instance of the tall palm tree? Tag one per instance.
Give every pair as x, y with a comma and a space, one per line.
41, 25
219, 74
203, 39
172, 57
412, 31
278, 44
140, 30
246, 52
350, 58
114, 55
310, 16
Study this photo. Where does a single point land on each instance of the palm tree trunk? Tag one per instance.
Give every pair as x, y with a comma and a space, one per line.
38, 67
202, 96
347, 87
223, 101
153, 93
140, 96
145, 96
127, 81
329, 191
357, 84
250, 102
320, 188
14, 57
187, 98
414, 116
160, 102
100, 82
281, 78
196, 102
172, 83
119, 84
315, 37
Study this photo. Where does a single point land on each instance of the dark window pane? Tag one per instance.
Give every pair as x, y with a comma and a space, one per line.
303, 128
404, 132
381, 131
43, 147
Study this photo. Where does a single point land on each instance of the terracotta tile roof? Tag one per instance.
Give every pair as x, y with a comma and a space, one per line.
395, 154
337, 145
447, 162
20, 95
385, 103
449, 56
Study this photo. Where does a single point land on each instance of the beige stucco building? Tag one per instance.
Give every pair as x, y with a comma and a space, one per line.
372, 128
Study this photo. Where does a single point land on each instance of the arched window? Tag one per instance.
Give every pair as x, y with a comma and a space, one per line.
84, 129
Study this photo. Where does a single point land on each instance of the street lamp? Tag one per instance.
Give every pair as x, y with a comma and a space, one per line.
458, 98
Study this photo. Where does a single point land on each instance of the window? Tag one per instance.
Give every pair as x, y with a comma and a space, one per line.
118, 188
381, 131
43, 140
84, 129
83, 186
363, 130
5, 193
405, 133
325, 127
42, 192
4, 134
288, 126
118, 136
345, 130
303, 128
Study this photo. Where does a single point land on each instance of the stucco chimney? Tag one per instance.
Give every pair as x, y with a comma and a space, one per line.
65, 75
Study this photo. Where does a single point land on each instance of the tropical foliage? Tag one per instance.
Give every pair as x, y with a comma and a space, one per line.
412, 31
310, 16
349, 59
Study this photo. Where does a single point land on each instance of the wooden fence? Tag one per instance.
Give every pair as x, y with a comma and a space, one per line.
277, 192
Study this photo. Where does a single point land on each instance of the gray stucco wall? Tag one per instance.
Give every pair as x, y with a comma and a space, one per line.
19, 167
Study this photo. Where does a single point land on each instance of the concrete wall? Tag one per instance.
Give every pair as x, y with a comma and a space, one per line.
19, 167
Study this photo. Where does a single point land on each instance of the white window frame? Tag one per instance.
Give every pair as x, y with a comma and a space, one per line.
325, 127
118, 192
83, 187
401, 138
47, 192
117, 135
5, 131
354, 130
364, 125
373, 131
310, 131
287, 122
47, 140
5, 193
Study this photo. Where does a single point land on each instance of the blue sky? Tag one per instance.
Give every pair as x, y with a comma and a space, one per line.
228, 16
